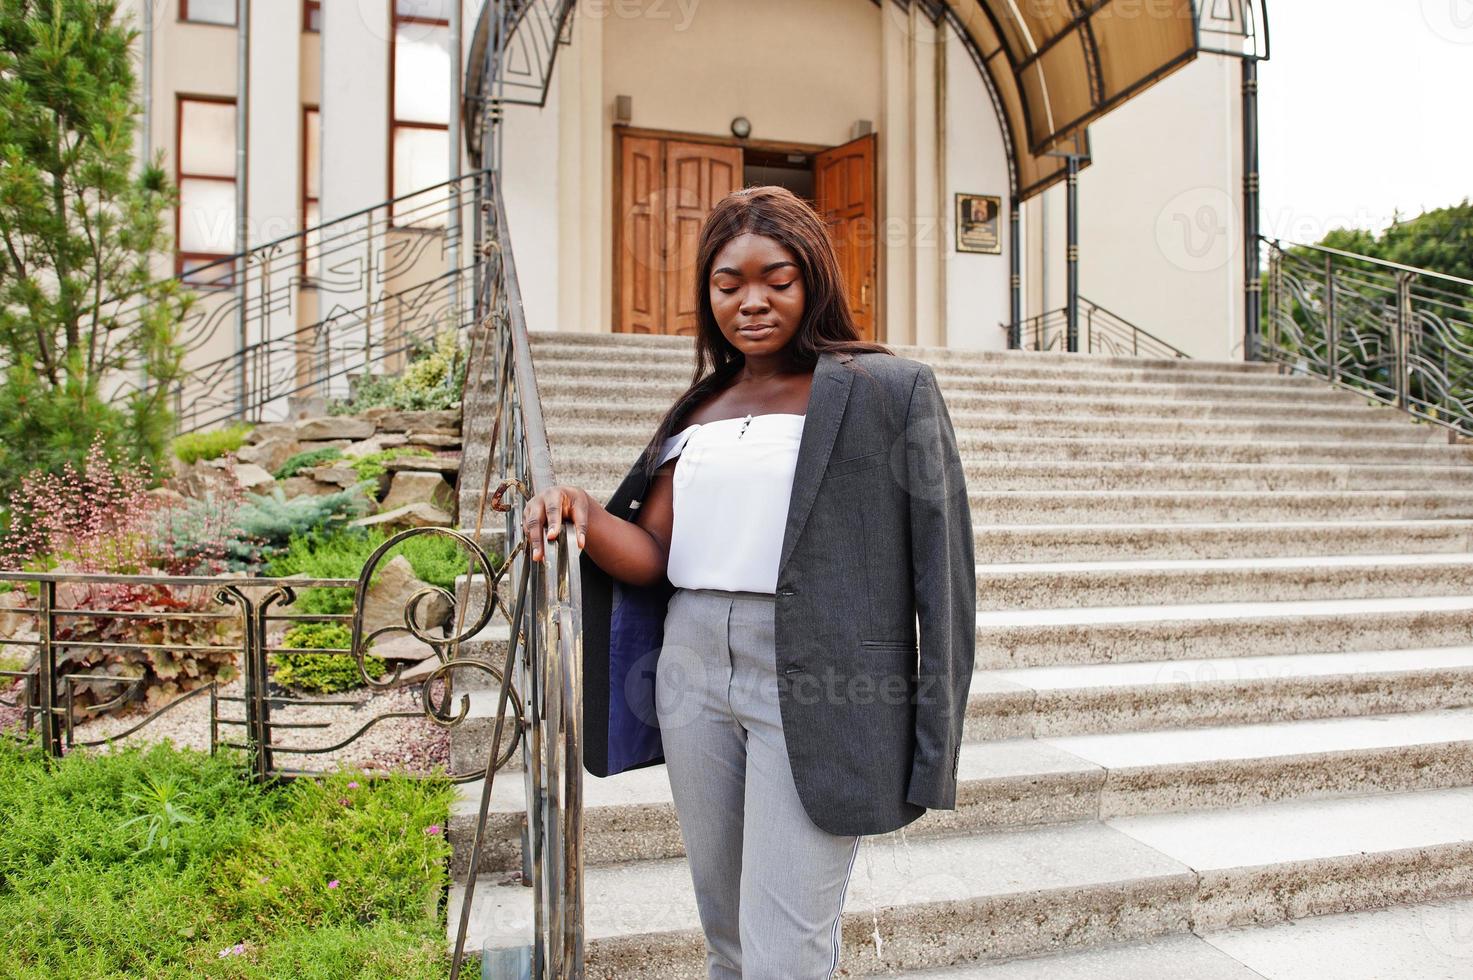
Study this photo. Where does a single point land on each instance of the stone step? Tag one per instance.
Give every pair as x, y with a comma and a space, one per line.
1010, 783
588, 404
634, 383
1012, 474
1115, 634
653, 350
1219, 539
1005, 507
1091, 699
1224, 539
1053, 585
554, 368
977, 435
1415, 941
1050, 585
596, 444
916, 902
1121, 697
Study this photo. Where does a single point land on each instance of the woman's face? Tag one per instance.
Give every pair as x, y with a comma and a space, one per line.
756, 293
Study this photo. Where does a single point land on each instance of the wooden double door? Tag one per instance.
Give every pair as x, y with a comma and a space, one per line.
665, 187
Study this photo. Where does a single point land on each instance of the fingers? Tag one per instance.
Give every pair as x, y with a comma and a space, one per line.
580, 518
532, 524
546, 513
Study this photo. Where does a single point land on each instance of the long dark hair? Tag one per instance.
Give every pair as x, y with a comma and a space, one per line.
827, 323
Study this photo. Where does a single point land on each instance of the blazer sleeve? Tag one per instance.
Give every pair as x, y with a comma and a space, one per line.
945, 575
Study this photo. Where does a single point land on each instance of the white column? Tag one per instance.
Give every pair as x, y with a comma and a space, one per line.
274, 193
896, 178
584, 300
355, 175
928, 306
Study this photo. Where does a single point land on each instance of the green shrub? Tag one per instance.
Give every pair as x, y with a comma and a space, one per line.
270, 521
433, 380
326, 673
371, 466
436, 559
249, 870
194, 446
307, 460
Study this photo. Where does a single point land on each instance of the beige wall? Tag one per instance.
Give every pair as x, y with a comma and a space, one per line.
1159, 214
1159, 205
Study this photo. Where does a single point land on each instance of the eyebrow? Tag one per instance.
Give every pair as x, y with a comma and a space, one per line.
765, 269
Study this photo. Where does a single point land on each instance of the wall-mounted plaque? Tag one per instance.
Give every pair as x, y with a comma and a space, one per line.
977, 223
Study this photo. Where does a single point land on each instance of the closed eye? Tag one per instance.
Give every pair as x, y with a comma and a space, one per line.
734, 289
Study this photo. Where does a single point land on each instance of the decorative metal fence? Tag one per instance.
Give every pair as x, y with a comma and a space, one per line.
302, 315
1103, 333
87, 640
1395, 333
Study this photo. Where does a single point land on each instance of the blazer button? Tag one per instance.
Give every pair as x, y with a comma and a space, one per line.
786, 592
792, 669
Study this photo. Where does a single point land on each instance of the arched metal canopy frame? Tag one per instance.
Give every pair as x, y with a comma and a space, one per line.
1054, 66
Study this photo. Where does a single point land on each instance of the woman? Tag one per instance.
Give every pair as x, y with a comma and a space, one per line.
752, 592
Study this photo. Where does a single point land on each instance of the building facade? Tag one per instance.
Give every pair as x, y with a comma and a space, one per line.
899, 120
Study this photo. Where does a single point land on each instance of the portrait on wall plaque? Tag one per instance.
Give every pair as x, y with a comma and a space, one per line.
977, 217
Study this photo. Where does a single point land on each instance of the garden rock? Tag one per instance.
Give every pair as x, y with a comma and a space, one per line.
339, 476
331, 427
272, 430
15, 623
419, 487
413, 515
297, 486
437, 439
376, 444
389, 595
253, 478
419, 421
270, 453
427, 464
404, 647
205, 477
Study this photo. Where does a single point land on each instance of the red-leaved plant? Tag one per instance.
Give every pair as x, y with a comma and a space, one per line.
103, 519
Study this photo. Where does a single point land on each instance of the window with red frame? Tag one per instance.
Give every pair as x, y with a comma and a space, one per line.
420, 62
204, 172
208, 11
312, 16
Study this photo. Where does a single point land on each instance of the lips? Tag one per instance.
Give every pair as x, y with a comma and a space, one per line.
756, 329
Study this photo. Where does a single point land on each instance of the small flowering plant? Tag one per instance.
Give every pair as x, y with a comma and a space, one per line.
103, 519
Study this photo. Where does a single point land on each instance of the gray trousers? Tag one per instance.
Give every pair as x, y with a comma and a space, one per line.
769, 883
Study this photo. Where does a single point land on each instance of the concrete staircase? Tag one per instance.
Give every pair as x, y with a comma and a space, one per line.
1224, 677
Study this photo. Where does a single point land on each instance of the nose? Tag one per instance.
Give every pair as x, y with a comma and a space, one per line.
754, 300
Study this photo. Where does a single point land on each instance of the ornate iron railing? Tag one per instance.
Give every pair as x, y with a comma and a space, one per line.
512, 53
1103, 333
73, 627
350, 296
1395, 333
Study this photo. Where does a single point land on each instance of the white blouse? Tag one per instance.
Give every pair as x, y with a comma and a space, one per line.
732, 484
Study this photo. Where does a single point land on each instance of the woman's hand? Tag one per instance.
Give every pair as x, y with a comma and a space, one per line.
548, 511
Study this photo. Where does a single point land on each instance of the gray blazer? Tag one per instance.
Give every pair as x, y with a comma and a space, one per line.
877, 548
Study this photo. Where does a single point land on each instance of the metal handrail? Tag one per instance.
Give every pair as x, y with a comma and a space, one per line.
503, 414
1395, 333
1104, 332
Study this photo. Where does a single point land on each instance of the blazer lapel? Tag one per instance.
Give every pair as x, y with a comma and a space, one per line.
826, 402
